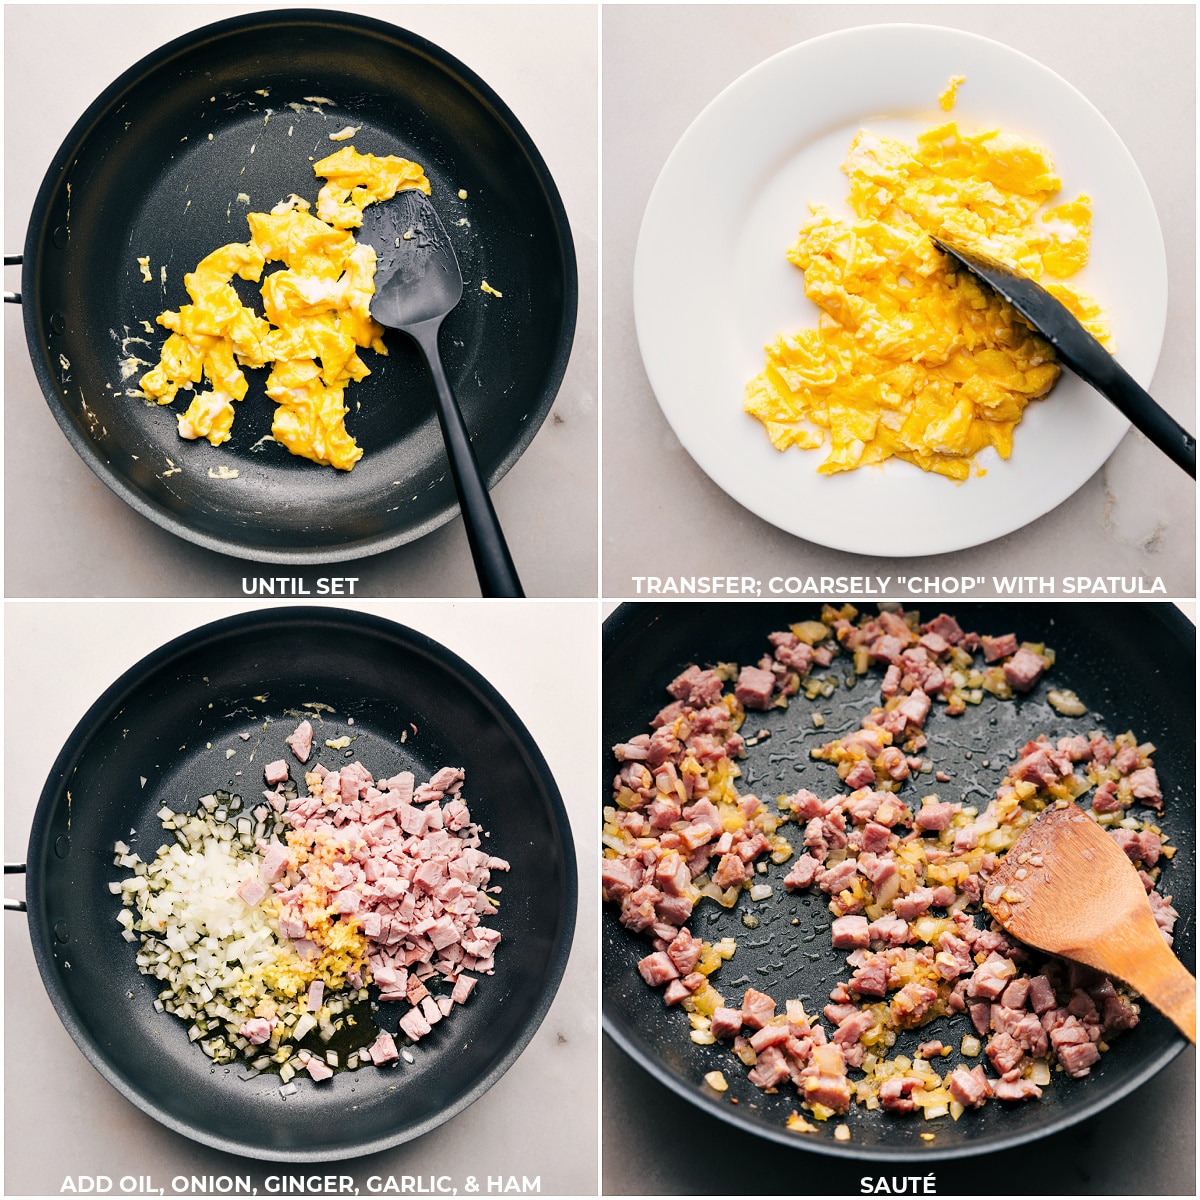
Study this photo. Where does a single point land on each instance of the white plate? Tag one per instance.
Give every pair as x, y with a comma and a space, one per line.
712, 285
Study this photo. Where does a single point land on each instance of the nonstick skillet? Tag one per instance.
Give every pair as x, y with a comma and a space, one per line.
1132, 664
155, 168
171, 719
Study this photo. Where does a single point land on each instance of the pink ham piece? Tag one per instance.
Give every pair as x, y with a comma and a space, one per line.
383, 1049
754, 687
275, 862
414, 1025
251, 892
1023, 670
275, 772
462, 989
318, 1070
316, 992
301, 741
256, 1031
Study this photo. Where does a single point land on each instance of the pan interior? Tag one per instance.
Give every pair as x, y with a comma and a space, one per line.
1132, 666
159, 173
165, 731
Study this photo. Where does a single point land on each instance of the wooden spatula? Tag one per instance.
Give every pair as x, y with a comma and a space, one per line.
1066, 887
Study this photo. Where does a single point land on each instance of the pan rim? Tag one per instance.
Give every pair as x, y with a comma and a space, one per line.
627, 1037
37, 233
239, 625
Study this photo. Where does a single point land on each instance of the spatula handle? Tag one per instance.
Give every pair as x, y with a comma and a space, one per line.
1109, 378
1167, 984
493, 562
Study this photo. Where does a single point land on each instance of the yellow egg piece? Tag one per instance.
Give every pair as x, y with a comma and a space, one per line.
912, 358
317, 310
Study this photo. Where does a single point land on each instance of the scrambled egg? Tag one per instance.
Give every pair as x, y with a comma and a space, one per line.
913, 358
317, 314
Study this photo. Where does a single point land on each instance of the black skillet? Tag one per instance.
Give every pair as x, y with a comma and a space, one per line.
157, 721
1134, 663
154, 168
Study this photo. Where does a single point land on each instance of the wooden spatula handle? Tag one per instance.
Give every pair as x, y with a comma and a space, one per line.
1166, 983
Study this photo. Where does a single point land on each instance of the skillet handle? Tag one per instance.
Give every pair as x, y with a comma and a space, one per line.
12, 260
14, 905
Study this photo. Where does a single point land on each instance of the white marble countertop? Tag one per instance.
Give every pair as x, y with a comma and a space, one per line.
62, 1118
662, 515
67, 534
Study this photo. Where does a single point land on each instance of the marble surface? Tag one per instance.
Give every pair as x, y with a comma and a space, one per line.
67, 534
59, 658
663, 516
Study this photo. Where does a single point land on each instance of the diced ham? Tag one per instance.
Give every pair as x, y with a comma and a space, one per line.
850, 933
684, 952
803, 872
1023, 670
770, 1069
935, 815
994, 649
1041, 994
945, 627
251, 891
871, 979
1004, 1052
383, 1048
757, 1009
861, 775
657, 969
318, 1070
725, 1022
275, 862
853, 1027
256, 1031
301, 741
1017, 1089
1144, 786
462, 988
414, 1025
275, 772
754, 687
895, 1094
970, 1088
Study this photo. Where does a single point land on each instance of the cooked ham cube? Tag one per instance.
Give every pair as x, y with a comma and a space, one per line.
757, 1009
462, 988
256, 1031
1017, 1089
301, 741
726, 1022
414, 1025
275, 862
275, 772
657, 969
251, 892
754, 687
383, 1049
970, 1088
994, 649
1023, 670
851, 933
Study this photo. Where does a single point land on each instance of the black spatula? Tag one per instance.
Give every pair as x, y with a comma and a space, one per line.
1077, 349
417, 282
